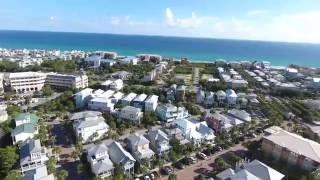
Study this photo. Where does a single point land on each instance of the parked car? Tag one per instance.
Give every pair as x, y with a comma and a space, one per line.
167, 170
179, 165
146, 177
202, 156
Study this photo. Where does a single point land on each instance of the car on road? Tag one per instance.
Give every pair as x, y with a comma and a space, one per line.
202, 156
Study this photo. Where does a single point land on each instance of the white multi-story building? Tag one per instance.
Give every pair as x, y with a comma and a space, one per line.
25, 82
132, 114
32, 155
64, 81
151, 103
3, 113
231, 97
113, 84
101, 104
169, 112
90, 128
126, 101
82, 97
99, 160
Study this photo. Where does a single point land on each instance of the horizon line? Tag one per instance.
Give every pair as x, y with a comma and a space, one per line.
165, 36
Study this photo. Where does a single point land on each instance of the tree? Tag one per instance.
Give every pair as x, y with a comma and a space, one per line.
13, 110
173, 177
149, 118
62, 175
8, 158
119, 173
51, 165
14, 175
47, 91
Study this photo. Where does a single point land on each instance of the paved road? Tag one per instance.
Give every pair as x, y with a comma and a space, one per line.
206, 167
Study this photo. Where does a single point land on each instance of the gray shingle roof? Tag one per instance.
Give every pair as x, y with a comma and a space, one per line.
102, 166
157, 135
137, 140
118, 154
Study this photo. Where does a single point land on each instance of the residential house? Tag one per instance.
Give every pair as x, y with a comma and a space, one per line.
120, 156
131, 114
40, 173
171, 92
100, 163
292, 148
195, 131
123, 75
151, 103
138, 101
200, 97
177, 134
116, 97
101, 104
231, 97
79, 116
169, 112
3, 113
90, 128
82, 97
32, 155
209, 99
115, 85
26, 127
180, 93
254, 170
138, 145
221, 97
128, 60
159, 141
126, 101
221, 122
240, 114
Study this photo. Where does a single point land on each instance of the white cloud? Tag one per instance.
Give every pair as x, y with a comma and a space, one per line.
258, 12
296, 27
188, 22
51, 18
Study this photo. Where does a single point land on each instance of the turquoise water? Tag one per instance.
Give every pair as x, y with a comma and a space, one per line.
196, 49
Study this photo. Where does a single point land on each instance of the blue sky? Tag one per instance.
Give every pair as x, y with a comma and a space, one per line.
272, 20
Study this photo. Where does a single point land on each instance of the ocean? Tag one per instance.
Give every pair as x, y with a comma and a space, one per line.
195, 49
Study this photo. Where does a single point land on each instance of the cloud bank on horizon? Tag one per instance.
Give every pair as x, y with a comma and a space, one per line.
292, 21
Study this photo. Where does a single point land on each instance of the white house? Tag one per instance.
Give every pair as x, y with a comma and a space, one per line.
32, 155
101, 104
195, 131
200, 97
240, 114
26, 127
90, 128
139, 147
100, 163
138, 101
113, 84
129, 60
126, 101
151, 103
169, 112
120, 156
40, 173
221, 97
159, 141
82, 97
231, 97
132, 114
3, 113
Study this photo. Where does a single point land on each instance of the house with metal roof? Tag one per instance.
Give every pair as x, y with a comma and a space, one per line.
292, 148
120, 156
90, 128
132, 114
159, 141
24, 132
32, 155
40, 173
24, 118
100, 163
139, 147
254, 170
151, 103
